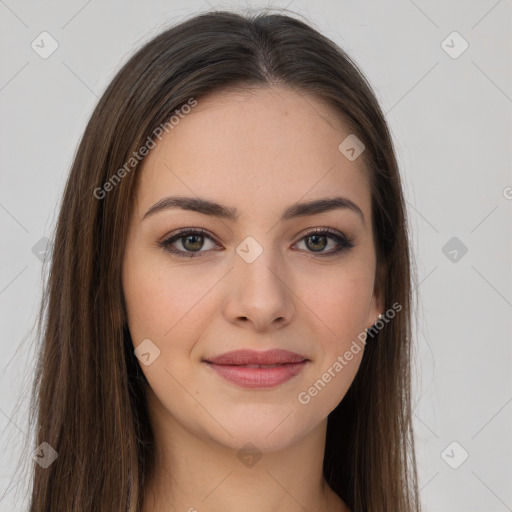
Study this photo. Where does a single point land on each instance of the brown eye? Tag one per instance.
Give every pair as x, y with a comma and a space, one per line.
318, 242
187, 243
192, 242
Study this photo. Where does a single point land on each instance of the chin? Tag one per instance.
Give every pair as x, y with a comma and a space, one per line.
267, 432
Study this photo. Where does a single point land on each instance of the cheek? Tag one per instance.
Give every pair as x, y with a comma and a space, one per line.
338, 305
340, 300
159, 298
165, 305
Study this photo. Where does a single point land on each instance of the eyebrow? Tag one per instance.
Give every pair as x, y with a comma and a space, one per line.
217, 210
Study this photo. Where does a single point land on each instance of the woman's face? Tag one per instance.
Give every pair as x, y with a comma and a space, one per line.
254, 281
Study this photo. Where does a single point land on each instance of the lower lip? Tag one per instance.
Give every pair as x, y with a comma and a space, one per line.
258, 377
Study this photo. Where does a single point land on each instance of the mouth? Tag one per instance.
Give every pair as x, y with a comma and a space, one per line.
252, 369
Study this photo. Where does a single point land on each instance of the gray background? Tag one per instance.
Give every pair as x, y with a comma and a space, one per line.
451, 122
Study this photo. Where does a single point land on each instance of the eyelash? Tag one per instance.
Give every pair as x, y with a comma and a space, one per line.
345, 243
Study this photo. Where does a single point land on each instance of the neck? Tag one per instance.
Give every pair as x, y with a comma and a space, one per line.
194, 473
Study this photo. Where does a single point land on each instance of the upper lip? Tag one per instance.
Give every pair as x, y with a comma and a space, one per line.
243, 357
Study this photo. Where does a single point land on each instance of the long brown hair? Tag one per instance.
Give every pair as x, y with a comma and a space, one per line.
88, 397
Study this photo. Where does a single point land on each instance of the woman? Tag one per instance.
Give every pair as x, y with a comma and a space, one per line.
228, 308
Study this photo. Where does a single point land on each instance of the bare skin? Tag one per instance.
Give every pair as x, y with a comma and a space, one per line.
259, 152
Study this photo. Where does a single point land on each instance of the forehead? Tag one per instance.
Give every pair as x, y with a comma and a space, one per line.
257, 150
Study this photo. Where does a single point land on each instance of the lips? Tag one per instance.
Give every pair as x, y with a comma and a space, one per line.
251, 369
253, 358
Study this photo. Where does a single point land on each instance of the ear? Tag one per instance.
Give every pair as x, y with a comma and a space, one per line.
377, 302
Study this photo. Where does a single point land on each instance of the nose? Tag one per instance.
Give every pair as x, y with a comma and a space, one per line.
259, 294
